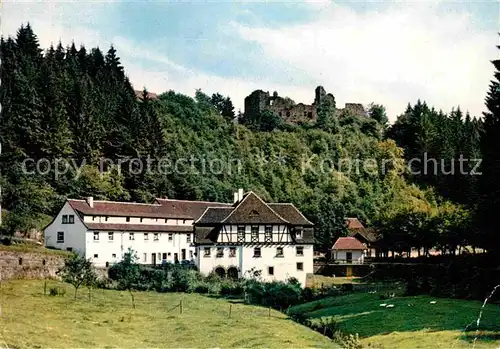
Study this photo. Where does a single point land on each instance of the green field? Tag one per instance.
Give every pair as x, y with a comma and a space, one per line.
31, 320
413, 322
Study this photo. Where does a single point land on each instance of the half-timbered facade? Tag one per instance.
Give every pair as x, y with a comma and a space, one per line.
273, 239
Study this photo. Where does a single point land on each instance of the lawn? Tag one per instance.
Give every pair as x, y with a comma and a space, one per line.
31, 320
413, 322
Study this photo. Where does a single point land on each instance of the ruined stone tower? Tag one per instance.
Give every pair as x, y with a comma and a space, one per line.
287, 110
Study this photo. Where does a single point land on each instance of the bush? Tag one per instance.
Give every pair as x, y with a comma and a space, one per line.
56, 291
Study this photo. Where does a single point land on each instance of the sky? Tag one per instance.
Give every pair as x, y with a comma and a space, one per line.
390, 53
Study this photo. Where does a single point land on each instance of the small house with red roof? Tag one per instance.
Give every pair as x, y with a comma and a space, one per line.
348, 250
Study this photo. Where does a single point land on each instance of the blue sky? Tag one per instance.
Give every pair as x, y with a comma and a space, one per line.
383, 52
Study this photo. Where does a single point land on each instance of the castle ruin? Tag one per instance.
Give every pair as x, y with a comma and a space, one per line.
288, 111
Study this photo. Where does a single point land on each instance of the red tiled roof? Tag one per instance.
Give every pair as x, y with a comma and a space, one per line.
290, 213
253, 210
111, 208
151, 95
162, 208
139, 227
189, 209
354, 223
348, 243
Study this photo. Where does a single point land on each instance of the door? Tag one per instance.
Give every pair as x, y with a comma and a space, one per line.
348, 257
183, 254
176, 258
153, 258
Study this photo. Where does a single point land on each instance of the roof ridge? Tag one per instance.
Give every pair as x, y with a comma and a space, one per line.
258, 197
295, 207
200, 201
118, 202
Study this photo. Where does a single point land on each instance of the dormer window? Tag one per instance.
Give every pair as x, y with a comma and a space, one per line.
254, 213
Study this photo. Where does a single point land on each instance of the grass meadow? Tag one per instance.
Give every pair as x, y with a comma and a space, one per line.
31, 320
412, 322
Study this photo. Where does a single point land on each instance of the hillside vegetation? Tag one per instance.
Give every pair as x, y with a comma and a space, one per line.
70, 116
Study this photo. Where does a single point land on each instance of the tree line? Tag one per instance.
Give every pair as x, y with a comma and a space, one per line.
79, 104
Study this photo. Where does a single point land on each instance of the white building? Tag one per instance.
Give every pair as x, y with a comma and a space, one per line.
274, 239
104, 230
230, 239
348, 250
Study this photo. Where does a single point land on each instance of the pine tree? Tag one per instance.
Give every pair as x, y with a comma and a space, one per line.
489, 208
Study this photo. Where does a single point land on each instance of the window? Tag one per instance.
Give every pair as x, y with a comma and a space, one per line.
166, 220
69, 249
144, 257
191, 254
298, 232
96, 236
279, 252
110, 236
241, 234
127, 219
106, 218
232, 251
310, 114
96, 255
60, 237
268, 234
170, 236
299, 250
164, 256
188, 238
71, 219
255, 233
131, 236
206, 252
220, 252
270, 270
113, 255
300, 266
65, 219
155, 237
257, 252
20, 261
146, 236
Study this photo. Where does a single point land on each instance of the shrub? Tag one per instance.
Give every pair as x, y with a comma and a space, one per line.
56, 291
347, 287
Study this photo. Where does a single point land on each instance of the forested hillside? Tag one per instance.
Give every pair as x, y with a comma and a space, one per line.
77, 104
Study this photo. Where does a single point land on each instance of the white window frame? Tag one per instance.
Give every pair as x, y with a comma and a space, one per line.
60, 241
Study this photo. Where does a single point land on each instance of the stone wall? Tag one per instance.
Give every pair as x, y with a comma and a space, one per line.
29, 265
289, 112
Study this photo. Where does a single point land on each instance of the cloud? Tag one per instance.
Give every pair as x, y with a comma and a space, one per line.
391, 57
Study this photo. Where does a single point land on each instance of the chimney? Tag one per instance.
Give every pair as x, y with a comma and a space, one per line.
235, 200
90, 201
240, 194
